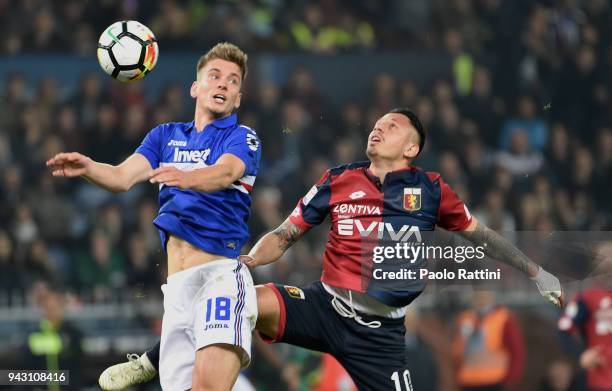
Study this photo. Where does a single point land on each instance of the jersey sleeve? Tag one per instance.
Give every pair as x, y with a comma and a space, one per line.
151, 146
244, 143
575, 314
453, 215
314, 206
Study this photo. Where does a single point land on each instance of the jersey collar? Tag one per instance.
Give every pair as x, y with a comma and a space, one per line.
220, 123
225, 122
390, 175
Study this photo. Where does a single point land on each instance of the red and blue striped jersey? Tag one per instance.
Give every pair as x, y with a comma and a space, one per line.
365, 213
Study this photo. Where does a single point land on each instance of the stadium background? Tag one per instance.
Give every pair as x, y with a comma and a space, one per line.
515, 96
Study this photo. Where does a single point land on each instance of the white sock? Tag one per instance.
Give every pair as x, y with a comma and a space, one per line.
146, 363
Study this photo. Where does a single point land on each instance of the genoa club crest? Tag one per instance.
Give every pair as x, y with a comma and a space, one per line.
295, 292
412, 198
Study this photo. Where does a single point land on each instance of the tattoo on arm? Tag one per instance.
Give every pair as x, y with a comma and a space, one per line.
498, 247
288, 234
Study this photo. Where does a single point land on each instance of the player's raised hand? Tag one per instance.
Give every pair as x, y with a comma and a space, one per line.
69, 164
549, 287
171, 176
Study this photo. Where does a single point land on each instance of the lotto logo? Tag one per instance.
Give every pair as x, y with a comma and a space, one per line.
356, 195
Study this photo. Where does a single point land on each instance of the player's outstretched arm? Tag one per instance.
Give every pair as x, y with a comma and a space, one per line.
273, 245
112, 178
227, 170
498, 247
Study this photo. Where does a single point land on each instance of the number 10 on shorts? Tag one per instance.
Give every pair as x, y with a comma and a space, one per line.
407, 382
221, 308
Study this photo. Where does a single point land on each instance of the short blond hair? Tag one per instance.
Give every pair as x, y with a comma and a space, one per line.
228, 52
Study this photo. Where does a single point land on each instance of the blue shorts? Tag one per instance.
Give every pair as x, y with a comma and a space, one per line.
371, 356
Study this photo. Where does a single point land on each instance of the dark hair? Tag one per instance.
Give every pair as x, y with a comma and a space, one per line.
415, 122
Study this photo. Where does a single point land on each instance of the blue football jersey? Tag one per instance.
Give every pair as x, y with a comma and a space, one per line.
216, 222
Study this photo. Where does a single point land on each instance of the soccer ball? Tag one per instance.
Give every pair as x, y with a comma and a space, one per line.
127, 50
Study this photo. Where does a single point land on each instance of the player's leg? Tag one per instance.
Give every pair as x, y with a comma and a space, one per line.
212, 361
153, 356
177, 345
299, 318
375, 357
371, 350
268, 311
144, 368
137, 370
224, 315
179, 348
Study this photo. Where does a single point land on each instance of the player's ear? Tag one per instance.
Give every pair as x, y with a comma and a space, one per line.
411, 151
194, 89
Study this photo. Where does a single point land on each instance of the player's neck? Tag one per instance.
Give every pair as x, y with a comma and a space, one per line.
204, 117
381, 168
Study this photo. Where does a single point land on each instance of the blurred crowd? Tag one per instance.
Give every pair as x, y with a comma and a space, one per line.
74, 26
325, 26
520, 125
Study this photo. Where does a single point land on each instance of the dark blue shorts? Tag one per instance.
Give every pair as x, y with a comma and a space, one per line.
373, 357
